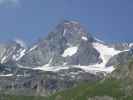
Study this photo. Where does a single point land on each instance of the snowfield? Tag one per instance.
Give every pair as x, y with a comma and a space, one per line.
6, 75
105, 53
70, 51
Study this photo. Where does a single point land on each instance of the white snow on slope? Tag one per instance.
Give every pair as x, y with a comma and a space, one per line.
105, 53
3, 59
20, 55
131, 45
70, 51
84, 38
47, 67
90, 69
48, 64
34, 47
51, 68
95, 68
6, 75
99, 40
64, 33
25, 67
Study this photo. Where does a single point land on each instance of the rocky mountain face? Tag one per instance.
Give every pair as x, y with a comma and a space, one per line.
66, 57
11, 51
68, 44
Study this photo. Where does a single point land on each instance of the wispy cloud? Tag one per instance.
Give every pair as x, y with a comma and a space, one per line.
19, 41
9, 2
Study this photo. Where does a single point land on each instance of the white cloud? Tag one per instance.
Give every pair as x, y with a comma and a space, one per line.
19, 41
9, 2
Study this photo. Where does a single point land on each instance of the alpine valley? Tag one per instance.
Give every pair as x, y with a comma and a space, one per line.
68, 64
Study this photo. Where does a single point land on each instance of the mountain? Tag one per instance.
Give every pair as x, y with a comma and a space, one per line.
11, 51
68, 44
66, 57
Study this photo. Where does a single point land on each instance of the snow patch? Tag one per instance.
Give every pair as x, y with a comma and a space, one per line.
70, 51
6, 75
20, 55
3, 59
64, 33
84, 38
52, 68
90, 69
21, 66
105, 52
99, 40
48, 64
95, 68
131, 45
34, 47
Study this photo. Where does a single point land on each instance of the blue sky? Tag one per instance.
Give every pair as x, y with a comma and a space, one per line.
108, 20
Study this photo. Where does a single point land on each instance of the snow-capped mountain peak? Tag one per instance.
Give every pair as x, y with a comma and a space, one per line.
69, 44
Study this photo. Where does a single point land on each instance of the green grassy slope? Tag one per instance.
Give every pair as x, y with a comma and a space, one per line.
84, 91
110, 88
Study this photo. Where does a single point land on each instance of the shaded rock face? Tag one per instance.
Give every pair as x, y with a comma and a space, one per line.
50, 49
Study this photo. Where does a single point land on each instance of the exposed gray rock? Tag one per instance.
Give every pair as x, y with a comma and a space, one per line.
50, 49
